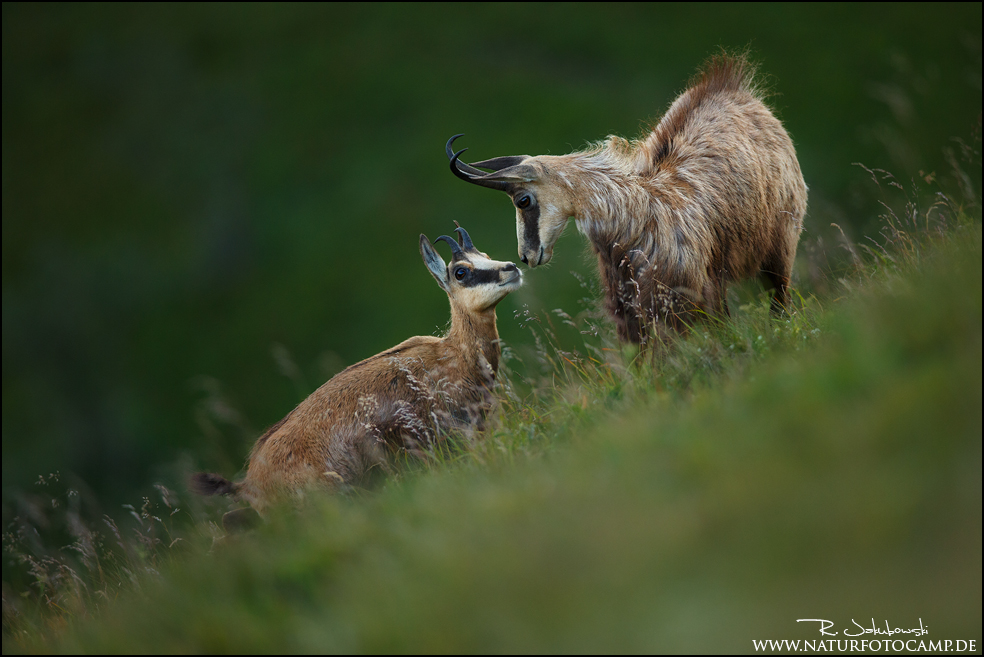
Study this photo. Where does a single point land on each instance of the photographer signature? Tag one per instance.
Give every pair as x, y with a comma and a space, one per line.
874, 630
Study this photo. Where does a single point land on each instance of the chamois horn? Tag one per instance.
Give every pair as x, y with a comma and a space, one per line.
456, 251
477, 180
464, 239
467, 168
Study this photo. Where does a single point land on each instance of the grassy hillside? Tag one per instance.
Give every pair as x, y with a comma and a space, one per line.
757, 472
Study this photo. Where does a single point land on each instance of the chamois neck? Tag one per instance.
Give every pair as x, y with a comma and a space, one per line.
611, 202
475, 336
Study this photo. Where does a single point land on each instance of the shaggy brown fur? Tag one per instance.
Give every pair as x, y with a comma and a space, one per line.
713, 194
397, 402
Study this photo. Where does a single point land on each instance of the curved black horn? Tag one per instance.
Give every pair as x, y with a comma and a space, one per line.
491, 184
466, 242
467, 168
447, 147
455, 249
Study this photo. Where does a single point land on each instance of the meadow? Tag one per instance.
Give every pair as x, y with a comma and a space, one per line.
207, 213
695, 497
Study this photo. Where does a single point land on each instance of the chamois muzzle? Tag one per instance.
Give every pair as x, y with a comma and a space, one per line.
511, 274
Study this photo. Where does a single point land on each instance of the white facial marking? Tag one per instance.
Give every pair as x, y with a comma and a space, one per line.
481, 296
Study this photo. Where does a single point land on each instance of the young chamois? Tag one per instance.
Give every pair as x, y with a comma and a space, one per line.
398, 401
713, 194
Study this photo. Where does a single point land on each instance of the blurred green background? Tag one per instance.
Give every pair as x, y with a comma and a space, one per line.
208, 210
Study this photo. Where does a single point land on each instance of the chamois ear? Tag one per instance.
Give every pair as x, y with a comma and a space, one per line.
520, 173
500, 163
435, 263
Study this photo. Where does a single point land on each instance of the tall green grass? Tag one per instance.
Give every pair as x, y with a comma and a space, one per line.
691, 497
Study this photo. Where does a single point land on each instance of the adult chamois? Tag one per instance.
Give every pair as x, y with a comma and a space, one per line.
712, 194
398, 401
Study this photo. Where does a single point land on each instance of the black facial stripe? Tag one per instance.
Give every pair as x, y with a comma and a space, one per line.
531, 227
481, 277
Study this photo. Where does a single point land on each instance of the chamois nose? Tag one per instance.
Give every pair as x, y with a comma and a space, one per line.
525, 261
510, 267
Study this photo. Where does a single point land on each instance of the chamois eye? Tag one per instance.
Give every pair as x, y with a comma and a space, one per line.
523, 202
460, 273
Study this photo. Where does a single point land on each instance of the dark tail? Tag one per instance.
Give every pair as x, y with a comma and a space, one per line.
206, 483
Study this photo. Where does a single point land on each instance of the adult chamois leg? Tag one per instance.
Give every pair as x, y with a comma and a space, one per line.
775, 274
715, 297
